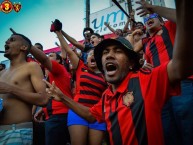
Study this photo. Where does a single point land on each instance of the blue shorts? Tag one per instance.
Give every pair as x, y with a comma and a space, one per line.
74, 119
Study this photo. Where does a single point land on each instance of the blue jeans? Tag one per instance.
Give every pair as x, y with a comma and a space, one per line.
177, 117
56, 130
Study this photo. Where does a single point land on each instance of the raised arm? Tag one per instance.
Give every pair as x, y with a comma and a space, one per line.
147, 8
73, 41
181, 65
63, 52
137, 46
74, 59
41, 57
126, 27
129, 21
109, 27
80, 109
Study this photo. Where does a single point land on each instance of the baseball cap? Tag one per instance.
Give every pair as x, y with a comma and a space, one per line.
120, 41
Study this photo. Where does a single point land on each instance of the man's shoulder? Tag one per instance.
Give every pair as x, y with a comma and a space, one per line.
32, 64
30, 67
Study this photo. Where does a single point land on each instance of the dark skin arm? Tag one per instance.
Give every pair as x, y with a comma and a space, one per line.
129, 21
41, 57
181, 66
126, 27
136, 46
73, 41
109, 27
81, 110
74, 59
63, 52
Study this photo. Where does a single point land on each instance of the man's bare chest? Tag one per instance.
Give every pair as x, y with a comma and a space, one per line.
15, 76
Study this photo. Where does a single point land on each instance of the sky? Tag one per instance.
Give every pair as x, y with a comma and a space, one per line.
34, 20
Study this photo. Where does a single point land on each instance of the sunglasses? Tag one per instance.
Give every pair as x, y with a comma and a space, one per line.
150, 17
86, 32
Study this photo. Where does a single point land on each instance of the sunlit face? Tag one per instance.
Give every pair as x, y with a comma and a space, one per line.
13, 46
115, 64
95, 40
90, 60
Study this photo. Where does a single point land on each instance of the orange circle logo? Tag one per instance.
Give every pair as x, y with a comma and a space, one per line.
6, 7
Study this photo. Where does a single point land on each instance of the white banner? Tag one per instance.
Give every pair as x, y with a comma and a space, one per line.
113, 15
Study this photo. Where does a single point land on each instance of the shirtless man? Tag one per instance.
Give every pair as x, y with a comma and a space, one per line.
21, 87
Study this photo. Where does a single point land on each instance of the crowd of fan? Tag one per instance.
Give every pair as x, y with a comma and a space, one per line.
119, 90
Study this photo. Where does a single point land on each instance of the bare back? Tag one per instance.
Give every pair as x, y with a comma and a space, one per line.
16, 110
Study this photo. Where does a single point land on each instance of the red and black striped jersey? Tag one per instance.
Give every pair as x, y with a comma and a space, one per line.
158, 49
133, 112
89, 85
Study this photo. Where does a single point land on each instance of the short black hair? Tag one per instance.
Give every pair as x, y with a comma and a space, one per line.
102, 36
139, 23
96, 34
26, 39
41, 46
88, 29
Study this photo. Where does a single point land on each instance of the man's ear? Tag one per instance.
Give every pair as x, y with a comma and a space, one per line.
24, 48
